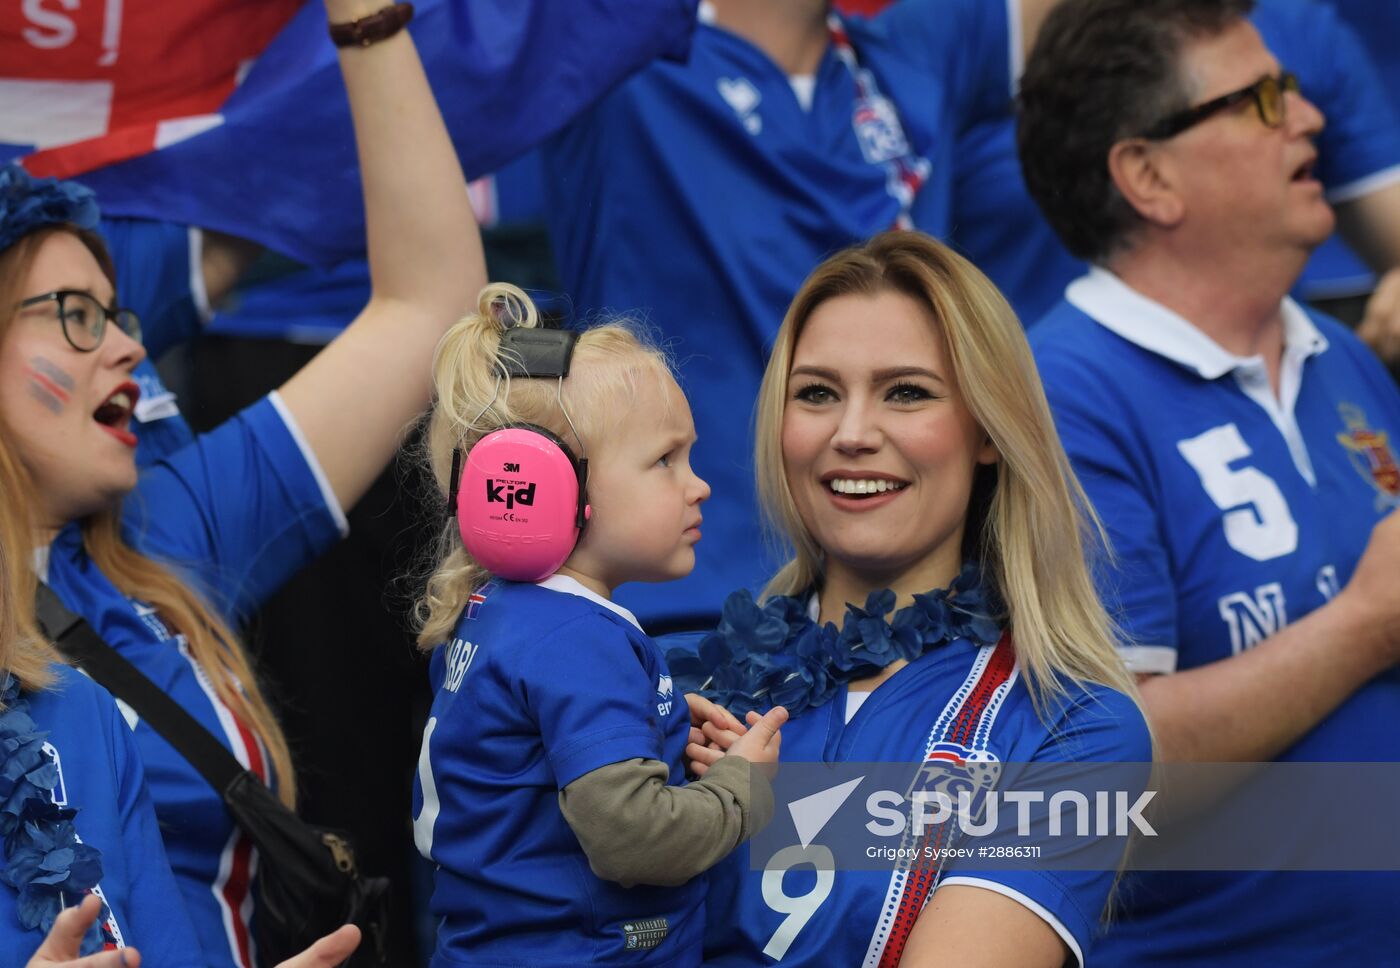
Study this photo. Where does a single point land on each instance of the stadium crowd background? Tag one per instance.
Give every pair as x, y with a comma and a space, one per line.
225, 170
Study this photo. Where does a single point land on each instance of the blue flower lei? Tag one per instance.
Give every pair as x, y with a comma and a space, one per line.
774, 654
28, 203
44, 861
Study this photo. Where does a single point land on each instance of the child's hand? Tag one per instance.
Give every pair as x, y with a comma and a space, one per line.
702, 757
760, 744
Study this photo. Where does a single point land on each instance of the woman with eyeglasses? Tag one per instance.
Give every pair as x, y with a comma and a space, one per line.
84, 880
163, 564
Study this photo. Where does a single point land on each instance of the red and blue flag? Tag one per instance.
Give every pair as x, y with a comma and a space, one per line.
231, 114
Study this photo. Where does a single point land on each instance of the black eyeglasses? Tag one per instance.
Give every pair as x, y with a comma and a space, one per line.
84, 319
1269, 98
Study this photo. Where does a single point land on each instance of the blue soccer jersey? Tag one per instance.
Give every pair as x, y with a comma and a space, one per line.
1232, 512
1376, 24
540, 685
235, 514
159, 275
965, 697
100, 774
700, 195
997, 225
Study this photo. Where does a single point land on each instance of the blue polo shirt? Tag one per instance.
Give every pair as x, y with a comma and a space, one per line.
998, 226
1232, 512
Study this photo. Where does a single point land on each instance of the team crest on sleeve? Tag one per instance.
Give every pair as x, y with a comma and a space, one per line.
1371, 454
665, 696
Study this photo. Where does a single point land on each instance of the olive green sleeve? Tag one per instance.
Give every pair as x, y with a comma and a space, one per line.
635, 829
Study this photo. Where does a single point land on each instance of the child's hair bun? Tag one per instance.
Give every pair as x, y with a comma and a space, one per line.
509, 307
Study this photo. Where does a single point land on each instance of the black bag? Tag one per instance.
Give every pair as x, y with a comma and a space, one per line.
308, 884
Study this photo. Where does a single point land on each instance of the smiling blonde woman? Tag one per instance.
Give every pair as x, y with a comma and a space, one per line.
938, 596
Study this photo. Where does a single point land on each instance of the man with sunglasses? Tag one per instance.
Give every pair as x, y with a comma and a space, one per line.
1239, 448
999, 227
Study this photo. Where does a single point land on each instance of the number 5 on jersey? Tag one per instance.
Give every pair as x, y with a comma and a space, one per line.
1257, 521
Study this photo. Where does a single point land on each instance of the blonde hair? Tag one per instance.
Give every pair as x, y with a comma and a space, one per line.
1029, 522
23, 652
211, 641
472, 398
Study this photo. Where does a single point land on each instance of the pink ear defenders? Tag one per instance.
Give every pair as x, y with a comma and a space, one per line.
521, 497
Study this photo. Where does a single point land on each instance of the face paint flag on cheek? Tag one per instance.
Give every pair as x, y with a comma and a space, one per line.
49, 384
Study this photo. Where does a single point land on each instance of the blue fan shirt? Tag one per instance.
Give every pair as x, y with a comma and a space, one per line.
100, 774
698, 196
845, 920
1232, 512
540, 685
997, 225
235, 514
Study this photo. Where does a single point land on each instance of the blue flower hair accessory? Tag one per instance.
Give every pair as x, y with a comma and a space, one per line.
774, 654
28, 203
45, 863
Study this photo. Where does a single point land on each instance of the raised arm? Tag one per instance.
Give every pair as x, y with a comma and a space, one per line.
353, 401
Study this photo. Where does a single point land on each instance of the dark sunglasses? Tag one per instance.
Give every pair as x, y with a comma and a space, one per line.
84, 319
1269, 98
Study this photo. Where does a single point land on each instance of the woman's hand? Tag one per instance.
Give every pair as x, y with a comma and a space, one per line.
702, 712
710, 724
60, 949
330, 951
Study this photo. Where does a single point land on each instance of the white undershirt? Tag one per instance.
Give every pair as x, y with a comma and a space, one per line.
804, 86
854, 700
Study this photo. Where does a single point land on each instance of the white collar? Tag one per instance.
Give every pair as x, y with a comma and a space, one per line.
1118, 307
705, 13
572, 586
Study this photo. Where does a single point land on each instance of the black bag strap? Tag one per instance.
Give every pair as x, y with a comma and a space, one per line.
80, 643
